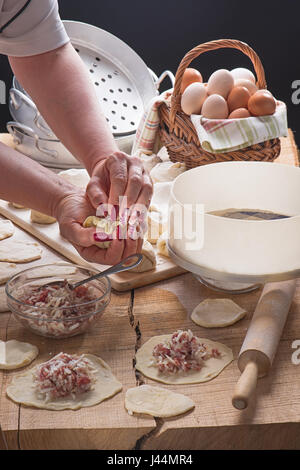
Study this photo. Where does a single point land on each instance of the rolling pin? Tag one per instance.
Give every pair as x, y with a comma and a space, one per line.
262, 338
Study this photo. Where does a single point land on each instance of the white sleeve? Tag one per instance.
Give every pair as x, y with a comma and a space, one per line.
38, 29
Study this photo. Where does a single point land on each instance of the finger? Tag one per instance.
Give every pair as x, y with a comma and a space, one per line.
115, 253
96, 192
145, 195
131, 247
135, 181
117, 168
78, 235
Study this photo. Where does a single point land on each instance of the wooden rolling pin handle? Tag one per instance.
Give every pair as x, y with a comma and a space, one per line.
246, 386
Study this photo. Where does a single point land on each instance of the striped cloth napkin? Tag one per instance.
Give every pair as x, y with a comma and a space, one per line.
216, 136
227, 135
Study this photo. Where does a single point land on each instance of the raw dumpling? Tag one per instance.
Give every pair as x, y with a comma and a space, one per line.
216, 313
156, 401
162, 244
7, 229
149, 161
39, 218
14, 354
78, 177
149, 259
166, 171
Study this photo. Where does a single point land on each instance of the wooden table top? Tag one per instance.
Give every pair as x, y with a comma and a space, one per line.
272, 420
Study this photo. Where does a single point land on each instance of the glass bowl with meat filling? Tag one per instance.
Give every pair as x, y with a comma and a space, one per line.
42, 300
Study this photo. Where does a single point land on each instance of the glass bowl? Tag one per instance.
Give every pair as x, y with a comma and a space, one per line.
56, 321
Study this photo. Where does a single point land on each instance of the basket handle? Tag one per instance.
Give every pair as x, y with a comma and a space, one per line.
211, 46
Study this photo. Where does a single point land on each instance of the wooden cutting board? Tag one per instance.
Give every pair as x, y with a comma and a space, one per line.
165, 269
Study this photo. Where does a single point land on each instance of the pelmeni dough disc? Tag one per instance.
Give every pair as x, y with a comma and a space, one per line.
22, 389
39, 218
156, 401
7, 229
14, 354
149, 259
19, 252
78, 177
7, 270
212, 367
216, 313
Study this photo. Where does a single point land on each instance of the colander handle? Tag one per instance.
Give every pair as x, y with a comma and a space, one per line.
12, 127
18, 98
211, 46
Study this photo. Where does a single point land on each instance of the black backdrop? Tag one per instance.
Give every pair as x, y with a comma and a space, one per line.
162, 31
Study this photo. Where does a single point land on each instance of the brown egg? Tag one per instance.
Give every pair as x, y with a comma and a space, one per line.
190, 76
239, 114
262, 103
238, 98
215, 107
251, 87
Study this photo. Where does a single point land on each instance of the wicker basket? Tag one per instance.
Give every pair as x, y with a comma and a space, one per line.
176, 129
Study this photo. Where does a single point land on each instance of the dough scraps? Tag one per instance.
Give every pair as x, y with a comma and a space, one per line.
145, 363
15, 354
7, 229
23, 390
216, 313
7, 270
156, 401
19, 252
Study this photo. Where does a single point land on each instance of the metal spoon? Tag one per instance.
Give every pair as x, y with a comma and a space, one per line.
124, 265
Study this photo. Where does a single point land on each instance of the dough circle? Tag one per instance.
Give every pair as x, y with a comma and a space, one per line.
7, 270
22, 389
7, 229
211, 369
216, 313
19, 252
156, 401
15, 354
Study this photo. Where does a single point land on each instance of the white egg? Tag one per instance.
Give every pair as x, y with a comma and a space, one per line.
193, 98
215, 107
221, 83
240, 72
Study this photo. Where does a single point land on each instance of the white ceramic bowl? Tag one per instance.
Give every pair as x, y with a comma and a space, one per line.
237, 250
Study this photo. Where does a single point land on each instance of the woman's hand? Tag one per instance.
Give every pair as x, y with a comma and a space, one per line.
71, 212
120, 179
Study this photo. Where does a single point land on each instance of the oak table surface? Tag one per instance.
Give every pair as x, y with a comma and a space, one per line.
272, 420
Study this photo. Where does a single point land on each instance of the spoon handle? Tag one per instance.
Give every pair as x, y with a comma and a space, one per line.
117, 268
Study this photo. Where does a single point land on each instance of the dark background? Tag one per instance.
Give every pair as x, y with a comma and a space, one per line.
162, 31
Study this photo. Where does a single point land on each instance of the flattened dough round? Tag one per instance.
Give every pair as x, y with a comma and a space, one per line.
7, 229
39, 218
216, 313
156, 401
15, 354
149, 259
211, 369
22, 390
7, 270
19, 252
